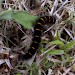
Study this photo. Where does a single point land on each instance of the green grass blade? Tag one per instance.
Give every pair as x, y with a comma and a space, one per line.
56, 52
57, 42
69, 45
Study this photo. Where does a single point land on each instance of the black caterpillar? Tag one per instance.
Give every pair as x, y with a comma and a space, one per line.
37, 35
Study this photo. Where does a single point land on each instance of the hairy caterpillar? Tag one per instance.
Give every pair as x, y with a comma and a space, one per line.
37, 35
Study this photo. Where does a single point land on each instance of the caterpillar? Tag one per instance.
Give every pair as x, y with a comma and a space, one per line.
37, 35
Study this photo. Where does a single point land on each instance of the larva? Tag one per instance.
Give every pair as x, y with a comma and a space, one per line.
37, 35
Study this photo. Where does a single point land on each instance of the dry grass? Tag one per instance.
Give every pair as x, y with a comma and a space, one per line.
15, 39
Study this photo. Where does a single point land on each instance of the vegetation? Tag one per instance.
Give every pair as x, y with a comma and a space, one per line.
56, 54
